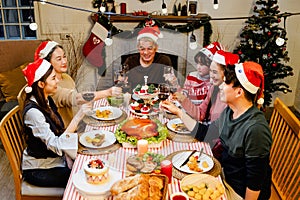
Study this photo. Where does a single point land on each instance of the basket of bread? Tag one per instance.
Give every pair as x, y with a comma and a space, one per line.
141, 187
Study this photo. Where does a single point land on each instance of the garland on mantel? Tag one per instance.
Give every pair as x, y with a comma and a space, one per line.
188, 27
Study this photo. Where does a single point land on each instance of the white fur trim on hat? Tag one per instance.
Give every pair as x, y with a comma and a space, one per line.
41, 71
100, 31
207, 52
241, 76
49, 46
219, 59
149, 35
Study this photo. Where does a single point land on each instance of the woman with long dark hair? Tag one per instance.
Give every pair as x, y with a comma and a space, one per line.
47, 158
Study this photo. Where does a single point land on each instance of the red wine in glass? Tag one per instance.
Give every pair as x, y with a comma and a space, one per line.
88, 96
163, 91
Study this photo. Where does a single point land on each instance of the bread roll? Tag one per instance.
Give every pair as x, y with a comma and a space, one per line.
124, 184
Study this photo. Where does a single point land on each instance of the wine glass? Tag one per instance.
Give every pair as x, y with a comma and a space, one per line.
163, 94
170, 78
163, 91
88, 93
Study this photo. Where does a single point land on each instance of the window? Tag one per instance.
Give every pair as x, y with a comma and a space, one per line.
15, 20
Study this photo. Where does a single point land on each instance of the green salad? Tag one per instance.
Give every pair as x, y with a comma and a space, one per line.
121, 136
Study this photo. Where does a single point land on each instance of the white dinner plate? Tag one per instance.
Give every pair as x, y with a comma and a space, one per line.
87, 189
176, 121
108, 140
179, 158
115, 113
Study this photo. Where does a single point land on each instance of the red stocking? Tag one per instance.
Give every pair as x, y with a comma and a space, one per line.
93, 47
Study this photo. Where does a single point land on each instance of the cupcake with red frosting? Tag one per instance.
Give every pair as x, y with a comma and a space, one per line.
145, 110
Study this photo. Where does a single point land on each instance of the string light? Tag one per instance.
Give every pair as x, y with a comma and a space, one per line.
108, 41
164, 8
193, 42
103, 7
33, 26
280, 39
216, 4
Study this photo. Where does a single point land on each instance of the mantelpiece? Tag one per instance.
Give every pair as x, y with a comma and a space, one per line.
162, 18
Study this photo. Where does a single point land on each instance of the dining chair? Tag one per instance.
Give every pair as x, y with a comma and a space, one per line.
21, 98
11, 128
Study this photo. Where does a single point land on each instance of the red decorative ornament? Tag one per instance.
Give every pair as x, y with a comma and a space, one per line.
274, 64
278, 20
269, 33
269, 55
240, 52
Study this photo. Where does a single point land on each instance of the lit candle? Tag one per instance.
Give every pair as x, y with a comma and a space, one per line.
142, 147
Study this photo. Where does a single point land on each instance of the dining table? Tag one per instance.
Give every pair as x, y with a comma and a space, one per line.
116, 155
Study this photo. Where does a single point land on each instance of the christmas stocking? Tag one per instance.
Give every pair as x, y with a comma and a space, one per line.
93, 47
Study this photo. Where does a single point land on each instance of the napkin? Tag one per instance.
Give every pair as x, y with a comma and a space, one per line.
69, 144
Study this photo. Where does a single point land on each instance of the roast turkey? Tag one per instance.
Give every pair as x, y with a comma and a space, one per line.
140, 128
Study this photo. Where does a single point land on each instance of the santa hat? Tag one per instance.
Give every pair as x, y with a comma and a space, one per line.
34, 71
251, 77
150, 32
44, 49
225, 58
211, 49
93, 47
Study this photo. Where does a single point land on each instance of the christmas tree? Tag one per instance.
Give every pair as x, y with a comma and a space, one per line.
264, 42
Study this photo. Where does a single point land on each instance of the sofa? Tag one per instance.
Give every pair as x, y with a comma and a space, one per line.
14, 56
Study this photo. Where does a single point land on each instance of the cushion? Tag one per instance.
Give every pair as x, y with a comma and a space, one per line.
11, 82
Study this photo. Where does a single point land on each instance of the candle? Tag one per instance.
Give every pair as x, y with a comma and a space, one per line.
166, 168
142, 147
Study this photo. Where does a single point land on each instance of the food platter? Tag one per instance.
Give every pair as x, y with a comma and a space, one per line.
129, 139
95, 191
177, 126
206, 162
107, 113
147, 163
86, 139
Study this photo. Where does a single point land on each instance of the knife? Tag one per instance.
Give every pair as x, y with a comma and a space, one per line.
187, 159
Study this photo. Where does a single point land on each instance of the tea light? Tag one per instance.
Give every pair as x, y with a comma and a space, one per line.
166, 168
142, 147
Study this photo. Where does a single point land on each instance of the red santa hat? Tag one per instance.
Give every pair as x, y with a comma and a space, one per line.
34, 71
44, 49
225, 58
251, 77
92, 49
211, 49
150, 32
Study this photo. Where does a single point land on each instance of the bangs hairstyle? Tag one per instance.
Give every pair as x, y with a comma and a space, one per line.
202, 59
230, 77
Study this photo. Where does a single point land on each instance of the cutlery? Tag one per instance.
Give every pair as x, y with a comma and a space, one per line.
201, 151
187, 159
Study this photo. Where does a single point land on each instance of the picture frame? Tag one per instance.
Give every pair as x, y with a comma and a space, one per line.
192, 7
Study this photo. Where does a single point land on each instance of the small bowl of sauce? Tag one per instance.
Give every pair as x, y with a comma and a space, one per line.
179, 196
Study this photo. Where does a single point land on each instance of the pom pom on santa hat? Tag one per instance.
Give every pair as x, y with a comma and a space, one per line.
44, 49
251, 76
34, 72
152, 32
93, 47
211, 49
226, 58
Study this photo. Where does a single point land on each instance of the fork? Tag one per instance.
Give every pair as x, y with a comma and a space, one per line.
201, 151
